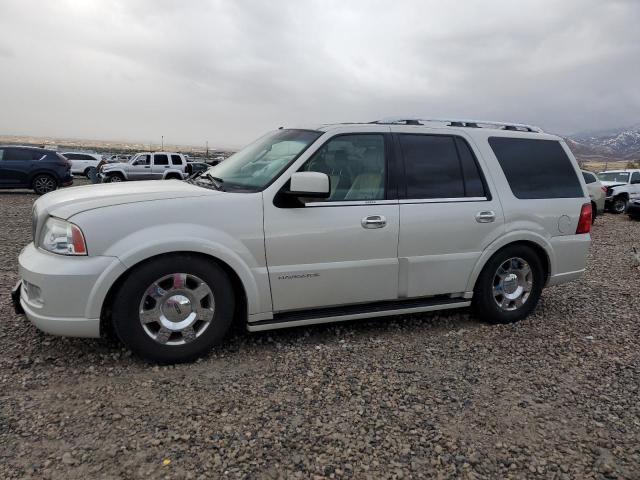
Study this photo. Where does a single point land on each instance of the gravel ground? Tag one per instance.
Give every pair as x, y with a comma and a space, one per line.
555, 396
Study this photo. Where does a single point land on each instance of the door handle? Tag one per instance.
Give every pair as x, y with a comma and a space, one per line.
147, 166
166, 166
373, 221
486, 216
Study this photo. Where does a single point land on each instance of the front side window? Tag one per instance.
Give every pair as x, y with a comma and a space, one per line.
536, 168
160, 159
635, 177
620, 177
142, 159
257, 165
355, 165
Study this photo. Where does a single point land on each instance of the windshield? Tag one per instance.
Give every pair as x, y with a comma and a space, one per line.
622, 177
258, 164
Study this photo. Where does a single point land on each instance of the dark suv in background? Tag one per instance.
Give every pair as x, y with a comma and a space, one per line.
30, 167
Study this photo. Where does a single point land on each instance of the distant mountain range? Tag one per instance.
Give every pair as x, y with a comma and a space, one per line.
622, 143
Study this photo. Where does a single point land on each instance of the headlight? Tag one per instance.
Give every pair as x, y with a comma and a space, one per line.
62, 237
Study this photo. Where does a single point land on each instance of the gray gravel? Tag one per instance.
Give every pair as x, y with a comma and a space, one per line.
555, 396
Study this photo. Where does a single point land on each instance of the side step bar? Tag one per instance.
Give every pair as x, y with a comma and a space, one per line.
354, 312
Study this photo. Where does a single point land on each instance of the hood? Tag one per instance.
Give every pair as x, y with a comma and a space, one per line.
611, 184
67, 202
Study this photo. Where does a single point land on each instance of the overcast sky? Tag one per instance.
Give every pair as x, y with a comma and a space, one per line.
226, 71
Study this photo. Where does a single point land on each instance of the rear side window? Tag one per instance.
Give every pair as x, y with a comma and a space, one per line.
635, 177
588, 178
176, 160
160, 159
21, 154
536, 168
439, 166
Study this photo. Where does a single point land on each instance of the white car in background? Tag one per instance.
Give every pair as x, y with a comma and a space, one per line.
622, 187
82, 163
303, 226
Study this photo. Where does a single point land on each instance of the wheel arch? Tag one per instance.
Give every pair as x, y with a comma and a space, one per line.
43, 171
536, 242
240, 314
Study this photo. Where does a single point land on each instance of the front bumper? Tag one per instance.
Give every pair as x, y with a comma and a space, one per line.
61, 295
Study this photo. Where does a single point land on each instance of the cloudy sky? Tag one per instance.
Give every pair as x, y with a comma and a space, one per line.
226, 71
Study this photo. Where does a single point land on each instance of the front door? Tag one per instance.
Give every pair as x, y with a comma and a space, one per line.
140, 169
342, 250
447, 213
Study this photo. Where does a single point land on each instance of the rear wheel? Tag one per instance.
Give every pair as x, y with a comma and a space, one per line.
44, 184
174, 309
594, 213
509, 285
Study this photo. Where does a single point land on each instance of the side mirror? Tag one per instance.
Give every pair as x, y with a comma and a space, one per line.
310, 185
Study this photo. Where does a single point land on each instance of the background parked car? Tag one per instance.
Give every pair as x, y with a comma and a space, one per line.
83, 163
37, 168
622, 187
597, 194
196, 167
633, 209
146, 166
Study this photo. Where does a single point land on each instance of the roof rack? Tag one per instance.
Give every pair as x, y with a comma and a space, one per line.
520, 127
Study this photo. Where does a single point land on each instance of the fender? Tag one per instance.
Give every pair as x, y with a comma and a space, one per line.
121, 171
173, 171
503, 241
172, 238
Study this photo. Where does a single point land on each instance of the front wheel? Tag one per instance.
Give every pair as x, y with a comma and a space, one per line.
174, 309
619, 205
509, 285
114, 178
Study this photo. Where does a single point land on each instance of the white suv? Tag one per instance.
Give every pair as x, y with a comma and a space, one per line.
304, 226
82, 163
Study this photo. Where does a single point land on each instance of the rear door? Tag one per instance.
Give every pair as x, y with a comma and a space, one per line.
160, 165
448, 213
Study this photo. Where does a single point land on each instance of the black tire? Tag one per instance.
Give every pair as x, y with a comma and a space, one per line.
173, 177
44, 183
114, 178
619, 205
127, 305
594, 213
88, 171
484, 302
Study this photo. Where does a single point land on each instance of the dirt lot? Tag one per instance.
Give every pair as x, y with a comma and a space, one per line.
555, 396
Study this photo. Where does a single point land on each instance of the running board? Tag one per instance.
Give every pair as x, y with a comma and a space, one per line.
300, 318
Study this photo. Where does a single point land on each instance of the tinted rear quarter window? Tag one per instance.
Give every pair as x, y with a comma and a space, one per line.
536, 168
176, 160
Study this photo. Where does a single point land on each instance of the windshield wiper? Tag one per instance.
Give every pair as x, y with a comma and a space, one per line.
217, 181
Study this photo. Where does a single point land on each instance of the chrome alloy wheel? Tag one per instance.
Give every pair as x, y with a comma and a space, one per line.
176, 309
44, 184
512, 284
115, 178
